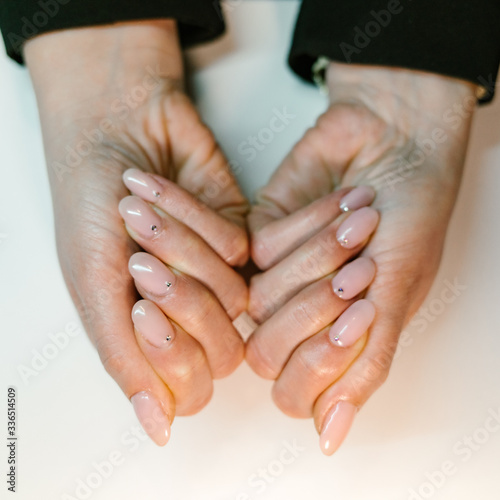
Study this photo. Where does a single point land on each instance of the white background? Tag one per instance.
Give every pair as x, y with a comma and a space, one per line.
441, 389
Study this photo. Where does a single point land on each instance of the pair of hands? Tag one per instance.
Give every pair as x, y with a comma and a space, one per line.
117, 103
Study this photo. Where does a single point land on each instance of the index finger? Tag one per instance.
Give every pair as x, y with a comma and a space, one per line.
224, 236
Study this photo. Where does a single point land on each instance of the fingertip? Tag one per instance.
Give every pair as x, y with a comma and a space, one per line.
152, 417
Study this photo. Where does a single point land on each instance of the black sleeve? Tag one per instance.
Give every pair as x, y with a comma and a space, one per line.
458, 38
199, 20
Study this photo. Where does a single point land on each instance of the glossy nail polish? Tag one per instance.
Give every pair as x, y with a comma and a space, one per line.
357, 227
150, 273
353, 278
352, 323
359, 197
142, 184
152, 324
336, 427
140, 217
152, 417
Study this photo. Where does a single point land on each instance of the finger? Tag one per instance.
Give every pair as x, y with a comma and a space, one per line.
104, 300
175, 356
338, 404
193, 307
273, 342
321, 360
318, 257
311, 310
274, 236
181, 248
225, 237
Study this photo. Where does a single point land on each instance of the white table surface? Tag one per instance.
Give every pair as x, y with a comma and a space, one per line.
71, 415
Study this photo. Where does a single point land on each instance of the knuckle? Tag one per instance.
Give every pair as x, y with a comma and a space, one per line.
258, 362
192, 405
235, 297
307, 316
257, 300
236, 251
371, 376
313, 370
288, 403
231, 358
115, 361
260, 250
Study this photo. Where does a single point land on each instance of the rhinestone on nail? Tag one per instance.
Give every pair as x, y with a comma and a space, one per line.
153, 227
169, 337
337, 338
168, 284
339, 291
156, 193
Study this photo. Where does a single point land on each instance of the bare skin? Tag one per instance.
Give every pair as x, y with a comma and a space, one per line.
376, 131
114, 95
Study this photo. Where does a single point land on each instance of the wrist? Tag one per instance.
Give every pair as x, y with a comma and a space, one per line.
411, 101
71, 69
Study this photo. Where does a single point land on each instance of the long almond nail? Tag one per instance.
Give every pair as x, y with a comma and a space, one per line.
357, 227
152, 417
152, 324
336, 427
359, 197
352, 323
353, 278
150, 273
140, 217
142, 184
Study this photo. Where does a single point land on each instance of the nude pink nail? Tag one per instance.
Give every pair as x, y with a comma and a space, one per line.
352, 323
353, 278
357, 227
142, 184
152, 417
359, 197
152, 324
150, 273
140, 217
336, 427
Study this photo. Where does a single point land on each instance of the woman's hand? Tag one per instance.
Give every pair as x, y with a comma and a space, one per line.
405, 134
110, 99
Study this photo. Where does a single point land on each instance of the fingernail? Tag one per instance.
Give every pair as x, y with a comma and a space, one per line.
357, 227
353, 278
359, 197
140, 217
142, 184
151, 274
152, 324
152, 417
337, 426
352, 323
